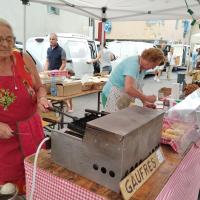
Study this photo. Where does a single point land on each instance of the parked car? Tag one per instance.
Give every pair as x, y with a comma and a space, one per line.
19, 45
78, 50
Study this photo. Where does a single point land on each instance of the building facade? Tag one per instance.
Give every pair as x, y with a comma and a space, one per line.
158, 30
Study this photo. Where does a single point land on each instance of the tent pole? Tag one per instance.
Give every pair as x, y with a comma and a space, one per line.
24, 31
24, 2
102, 34
103, 25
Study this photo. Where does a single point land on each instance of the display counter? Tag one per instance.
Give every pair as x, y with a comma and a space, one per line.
177, 178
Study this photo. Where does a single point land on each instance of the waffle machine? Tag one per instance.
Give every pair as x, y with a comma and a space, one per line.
106, 147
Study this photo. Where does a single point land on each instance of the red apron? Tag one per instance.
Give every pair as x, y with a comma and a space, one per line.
22, 117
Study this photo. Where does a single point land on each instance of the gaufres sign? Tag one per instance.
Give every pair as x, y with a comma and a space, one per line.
136, 178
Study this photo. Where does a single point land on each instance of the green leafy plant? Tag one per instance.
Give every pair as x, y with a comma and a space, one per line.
6, 98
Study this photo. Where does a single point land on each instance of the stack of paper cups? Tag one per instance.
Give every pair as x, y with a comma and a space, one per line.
175, 91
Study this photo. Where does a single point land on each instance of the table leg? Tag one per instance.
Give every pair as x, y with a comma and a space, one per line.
98, 101
62, 116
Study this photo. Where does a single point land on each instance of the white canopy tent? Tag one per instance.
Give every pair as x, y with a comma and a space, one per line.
126, 10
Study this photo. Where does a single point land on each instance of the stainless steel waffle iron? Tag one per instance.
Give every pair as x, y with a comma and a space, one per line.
106, 147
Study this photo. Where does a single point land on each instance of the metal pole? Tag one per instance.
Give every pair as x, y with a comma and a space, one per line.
103, 24
24, 2
24, 31
102, 34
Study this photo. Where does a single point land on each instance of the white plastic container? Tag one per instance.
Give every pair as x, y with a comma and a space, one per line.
175, 91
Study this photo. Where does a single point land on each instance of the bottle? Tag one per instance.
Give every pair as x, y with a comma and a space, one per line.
53, 88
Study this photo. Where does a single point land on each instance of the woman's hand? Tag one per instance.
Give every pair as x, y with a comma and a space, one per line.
150, 98
5, 131
149, 105
43, 104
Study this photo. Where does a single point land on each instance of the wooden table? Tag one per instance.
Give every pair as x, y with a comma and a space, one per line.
149, 191
60, 100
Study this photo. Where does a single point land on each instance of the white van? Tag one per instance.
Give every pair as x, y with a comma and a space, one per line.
183, 53
124, 49
77, 50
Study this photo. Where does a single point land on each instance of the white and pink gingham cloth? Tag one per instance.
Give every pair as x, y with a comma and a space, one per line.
184, 184
50, 187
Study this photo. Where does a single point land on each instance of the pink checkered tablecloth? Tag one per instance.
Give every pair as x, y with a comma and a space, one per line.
50, 187
184, 184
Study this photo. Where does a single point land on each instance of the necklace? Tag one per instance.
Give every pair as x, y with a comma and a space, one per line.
14, 77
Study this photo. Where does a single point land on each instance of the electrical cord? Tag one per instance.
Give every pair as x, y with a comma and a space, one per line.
35, 167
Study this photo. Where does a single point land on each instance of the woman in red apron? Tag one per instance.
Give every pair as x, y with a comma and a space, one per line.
21, 95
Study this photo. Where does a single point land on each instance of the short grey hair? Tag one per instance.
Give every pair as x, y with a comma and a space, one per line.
4, 23
53, 34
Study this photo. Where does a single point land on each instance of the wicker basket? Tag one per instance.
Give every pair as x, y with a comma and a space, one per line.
87, 86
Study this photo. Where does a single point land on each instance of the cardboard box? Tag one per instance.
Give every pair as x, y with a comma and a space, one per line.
69, 89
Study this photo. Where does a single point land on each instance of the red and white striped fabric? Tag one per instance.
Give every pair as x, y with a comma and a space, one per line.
184, 184
170, 142
50, 187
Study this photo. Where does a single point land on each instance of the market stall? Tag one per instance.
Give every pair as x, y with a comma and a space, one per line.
179, 175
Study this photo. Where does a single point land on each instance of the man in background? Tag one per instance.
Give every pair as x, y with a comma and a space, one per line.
56, 56
56, 60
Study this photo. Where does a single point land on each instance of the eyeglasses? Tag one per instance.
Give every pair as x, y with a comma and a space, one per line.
8, 39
